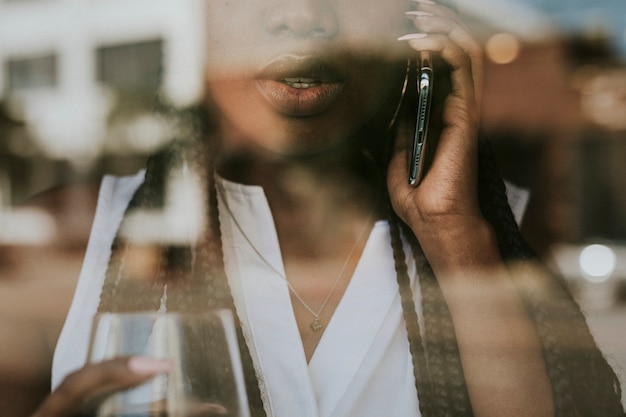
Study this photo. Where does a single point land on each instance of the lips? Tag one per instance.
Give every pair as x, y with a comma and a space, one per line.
299, 85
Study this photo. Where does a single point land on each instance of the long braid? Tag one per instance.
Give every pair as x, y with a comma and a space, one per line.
439, 378
495, 208
443, 356
440, 382
219, 290
582, 381
437, 368
188, 278
216, 253
422, 377
125, 287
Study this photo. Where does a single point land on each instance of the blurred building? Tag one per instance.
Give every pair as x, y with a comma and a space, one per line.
78, 80
555, 111
82, 75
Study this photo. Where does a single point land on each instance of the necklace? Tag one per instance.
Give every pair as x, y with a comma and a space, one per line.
316, 324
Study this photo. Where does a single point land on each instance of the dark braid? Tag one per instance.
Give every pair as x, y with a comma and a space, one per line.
440, 381
193, 276
495, 208
423, 379
442, 349
123, 289
251, 378
581, 379
438, 372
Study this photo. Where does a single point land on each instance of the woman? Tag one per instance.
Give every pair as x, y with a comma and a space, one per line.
314, 235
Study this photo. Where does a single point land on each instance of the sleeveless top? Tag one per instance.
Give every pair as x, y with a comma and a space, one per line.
362, 365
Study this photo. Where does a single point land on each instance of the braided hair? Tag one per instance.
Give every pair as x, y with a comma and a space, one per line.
191, 277
582, 381
181, 277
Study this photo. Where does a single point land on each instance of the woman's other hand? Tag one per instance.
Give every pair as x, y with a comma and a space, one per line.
84, 389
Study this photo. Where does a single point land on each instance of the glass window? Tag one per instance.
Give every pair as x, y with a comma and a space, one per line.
31, 73
131, 67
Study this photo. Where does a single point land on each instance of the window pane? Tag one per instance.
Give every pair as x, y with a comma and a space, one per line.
134, 67
38, 72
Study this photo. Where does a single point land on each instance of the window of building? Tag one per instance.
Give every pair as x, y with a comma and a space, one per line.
32, 73
133, 67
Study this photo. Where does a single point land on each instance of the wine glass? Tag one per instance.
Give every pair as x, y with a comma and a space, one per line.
206, 379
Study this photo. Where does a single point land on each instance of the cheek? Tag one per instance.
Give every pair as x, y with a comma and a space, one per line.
371, 27
378, 84
239, 106
232, 34
247, 122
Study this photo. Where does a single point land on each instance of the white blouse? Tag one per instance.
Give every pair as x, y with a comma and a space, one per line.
361, 367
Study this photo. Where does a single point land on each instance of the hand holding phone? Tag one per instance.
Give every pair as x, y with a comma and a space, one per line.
420, 139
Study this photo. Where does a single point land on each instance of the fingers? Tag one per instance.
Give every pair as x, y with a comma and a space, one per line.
440, 30
207, 409
460, 65
447, 190
95, 381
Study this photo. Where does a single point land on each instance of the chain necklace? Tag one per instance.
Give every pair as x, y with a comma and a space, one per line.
316, 324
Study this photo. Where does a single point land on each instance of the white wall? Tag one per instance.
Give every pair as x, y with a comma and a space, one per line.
68, 119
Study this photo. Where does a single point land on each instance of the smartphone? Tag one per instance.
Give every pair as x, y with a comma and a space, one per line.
420, 140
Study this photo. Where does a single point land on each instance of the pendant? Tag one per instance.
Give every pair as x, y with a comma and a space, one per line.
316, 325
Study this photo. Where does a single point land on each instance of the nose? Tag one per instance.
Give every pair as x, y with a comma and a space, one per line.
302, 18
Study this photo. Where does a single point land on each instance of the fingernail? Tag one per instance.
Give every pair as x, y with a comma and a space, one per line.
143, 365
424, 1
417, 13
412, 36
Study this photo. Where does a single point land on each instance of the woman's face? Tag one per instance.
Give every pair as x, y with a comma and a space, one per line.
299, 76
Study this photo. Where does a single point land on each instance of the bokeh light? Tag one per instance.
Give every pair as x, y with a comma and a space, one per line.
597, 262
502, 48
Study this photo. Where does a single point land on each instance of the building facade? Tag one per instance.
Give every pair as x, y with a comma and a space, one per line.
65, 65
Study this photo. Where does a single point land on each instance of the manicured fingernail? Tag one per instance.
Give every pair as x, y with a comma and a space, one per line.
412, 36
417, 13
424, 1
143, 365
211, 409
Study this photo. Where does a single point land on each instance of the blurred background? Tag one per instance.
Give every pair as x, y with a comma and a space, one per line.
78, 81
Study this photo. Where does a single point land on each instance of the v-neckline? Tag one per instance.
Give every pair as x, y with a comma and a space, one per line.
265, 309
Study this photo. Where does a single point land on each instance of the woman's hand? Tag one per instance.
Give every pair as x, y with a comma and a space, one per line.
498, 345
83, 390
447, 196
